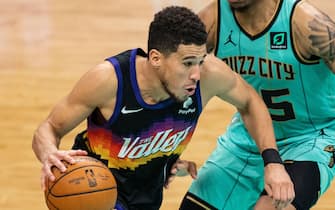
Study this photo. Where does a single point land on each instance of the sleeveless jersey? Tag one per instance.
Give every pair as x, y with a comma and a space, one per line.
140, 142
298, 93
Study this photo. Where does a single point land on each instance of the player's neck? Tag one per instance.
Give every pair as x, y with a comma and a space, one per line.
149, 83
257, 16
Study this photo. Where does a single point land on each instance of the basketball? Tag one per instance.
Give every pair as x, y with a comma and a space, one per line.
86, 185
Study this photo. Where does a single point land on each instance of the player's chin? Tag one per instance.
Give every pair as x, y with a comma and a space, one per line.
186, 96
180, 98
237, 4
183, 96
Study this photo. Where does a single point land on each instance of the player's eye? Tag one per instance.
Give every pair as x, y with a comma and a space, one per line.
188, 63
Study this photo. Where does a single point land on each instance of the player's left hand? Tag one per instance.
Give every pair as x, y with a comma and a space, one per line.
278, 185
181, 168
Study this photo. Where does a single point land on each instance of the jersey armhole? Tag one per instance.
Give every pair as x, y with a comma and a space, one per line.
119, 94
218, 24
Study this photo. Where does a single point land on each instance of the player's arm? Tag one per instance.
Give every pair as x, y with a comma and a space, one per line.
314, 34
209, 15
95, 89
217, 79
229, 86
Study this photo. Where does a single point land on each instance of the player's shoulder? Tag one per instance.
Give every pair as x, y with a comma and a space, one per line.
104, 66
310, 21
214, 72
101, 78
306, 9
209, 10
103, 71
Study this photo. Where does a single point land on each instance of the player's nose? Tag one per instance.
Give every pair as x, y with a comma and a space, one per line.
195, 73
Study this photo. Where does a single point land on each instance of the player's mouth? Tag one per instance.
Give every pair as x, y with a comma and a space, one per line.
190, 91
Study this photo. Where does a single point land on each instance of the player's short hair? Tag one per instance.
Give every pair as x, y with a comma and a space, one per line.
175, 25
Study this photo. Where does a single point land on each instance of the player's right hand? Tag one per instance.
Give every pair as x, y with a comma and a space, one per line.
55, 160
278, 185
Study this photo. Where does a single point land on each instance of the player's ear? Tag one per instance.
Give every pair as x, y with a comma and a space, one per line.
155, 58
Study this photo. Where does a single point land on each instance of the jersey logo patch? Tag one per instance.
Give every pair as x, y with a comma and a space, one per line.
186, 107
278, 40
229, 39
129, 111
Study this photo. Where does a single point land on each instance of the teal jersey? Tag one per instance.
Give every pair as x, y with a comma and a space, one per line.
300, 94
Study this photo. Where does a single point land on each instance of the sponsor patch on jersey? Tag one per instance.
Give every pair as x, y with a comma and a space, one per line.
278, 40
186, 107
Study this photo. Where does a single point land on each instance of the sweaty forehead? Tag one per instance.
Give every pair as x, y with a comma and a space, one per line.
191, 51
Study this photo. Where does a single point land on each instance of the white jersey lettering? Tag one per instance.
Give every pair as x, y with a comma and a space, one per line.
162, 141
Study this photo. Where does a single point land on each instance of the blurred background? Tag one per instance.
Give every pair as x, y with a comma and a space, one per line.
45, 46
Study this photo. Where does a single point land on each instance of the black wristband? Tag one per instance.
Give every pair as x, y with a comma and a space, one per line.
271, 156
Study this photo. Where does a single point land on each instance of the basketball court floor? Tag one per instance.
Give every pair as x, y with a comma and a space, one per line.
45, 46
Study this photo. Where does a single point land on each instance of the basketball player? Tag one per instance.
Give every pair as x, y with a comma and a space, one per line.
286, 50
142, 109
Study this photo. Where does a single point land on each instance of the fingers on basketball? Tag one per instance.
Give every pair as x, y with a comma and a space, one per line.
86, 185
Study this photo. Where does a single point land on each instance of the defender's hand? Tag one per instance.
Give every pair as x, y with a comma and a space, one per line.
182, 168
278, 185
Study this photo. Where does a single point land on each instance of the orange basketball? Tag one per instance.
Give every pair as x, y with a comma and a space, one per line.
86, 185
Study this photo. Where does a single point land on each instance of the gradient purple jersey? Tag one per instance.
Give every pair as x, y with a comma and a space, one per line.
140, 142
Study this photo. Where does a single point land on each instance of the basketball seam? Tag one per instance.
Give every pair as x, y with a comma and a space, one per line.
81, 193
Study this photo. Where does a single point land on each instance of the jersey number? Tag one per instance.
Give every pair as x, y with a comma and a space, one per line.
285, 106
